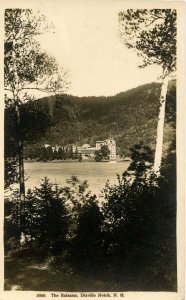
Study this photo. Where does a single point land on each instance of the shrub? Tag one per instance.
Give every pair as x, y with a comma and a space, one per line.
140, 227
85, 235
44, 220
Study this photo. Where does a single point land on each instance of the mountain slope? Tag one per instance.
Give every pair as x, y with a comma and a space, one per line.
130, 117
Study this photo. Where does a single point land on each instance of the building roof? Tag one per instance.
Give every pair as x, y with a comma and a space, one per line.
85, 146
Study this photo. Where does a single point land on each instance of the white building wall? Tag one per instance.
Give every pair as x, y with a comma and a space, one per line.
111, 145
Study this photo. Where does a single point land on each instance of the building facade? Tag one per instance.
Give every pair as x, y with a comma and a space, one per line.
111, 144
86, 150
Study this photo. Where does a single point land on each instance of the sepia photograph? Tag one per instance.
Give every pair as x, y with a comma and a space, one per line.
92, 129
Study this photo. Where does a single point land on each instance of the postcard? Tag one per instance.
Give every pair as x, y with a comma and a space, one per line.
93, 149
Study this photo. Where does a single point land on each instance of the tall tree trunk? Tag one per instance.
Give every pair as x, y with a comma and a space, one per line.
21, 177
20, 145
19, 140
21, 174
160, 127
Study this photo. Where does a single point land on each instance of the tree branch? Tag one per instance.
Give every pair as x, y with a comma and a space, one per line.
35, 88
155, 19
157, 16
8, 90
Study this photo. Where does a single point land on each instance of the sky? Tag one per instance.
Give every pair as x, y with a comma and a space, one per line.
87, 44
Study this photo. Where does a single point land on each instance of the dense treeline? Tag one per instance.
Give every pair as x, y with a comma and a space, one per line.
130, 117
48, 153
129, 239
127, 243
33, 121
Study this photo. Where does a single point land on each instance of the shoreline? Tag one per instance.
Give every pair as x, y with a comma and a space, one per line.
74, 161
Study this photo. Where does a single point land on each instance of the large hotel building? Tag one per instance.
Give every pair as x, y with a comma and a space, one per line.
86, 150
111, 145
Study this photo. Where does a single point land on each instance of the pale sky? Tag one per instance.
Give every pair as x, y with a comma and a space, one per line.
87, 44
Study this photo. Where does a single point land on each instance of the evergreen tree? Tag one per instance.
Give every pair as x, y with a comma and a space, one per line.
67, 154
102, 153
71, 154
76, 153
140, 227
55, 154
49, 153
47, 217
12, 226
63, 153
98, 155
60, 153
84, 236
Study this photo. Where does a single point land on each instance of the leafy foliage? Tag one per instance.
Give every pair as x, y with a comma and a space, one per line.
85, 236
26, 66
140, 224
50, 226
10, 172
103, 153
131, 117
34, 121
152, 33
130, 239
45, 222
142, 159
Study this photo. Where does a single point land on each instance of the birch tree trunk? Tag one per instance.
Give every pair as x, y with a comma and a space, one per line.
20, 146
160, 126
21, 174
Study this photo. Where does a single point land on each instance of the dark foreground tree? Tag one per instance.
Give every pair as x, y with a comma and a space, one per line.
128, 244
85, 234
27, 68
140, 227
49, 227
102, 153
34, 120
152, 34
45, 221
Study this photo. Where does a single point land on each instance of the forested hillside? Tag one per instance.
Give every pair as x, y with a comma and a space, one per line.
130, 117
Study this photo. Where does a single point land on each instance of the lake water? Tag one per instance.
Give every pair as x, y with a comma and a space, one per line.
96, 173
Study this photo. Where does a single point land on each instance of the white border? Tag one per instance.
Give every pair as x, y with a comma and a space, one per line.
180, 6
